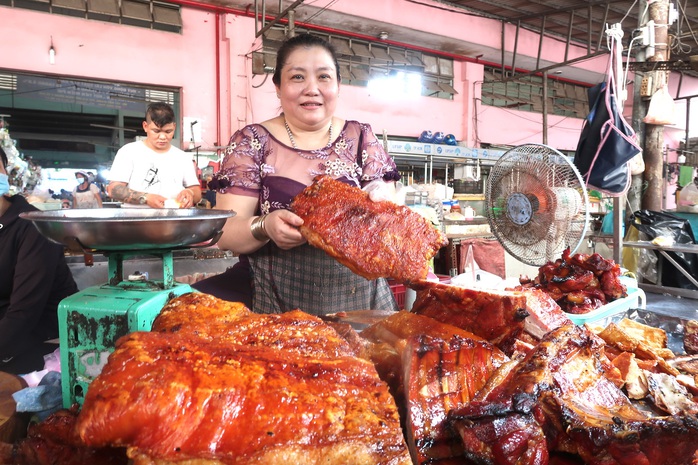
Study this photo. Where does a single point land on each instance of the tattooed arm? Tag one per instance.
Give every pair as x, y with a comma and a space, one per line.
120, 191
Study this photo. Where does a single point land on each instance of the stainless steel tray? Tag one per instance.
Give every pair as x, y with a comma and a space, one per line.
130, 229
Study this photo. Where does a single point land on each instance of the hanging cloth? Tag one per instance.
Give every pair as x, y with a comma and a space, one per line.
607, 142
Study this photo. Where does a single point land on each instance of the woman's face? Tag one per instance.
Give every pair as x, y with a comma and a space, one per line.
309, 88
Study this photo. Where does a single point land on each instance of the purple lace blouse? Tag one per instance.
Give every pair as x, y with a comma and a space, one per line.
256, 164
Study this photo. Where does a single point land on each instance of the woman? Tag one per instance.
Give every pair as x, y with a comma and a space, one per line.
34, 278
86, 194
267, 164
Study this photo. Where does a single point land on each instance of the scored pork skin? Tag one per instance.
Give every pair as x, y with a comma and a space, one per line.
373, 239
435, 367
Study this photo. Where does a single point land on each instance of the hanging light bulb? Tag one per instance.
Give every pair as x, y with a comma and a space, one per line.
52, 53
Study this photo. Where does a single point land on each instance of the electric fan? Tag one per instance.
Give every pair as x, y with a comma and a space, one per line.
536, 203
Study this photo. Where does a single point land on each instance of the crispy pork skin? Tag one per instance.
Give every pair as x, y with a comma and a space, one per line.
373, 239
211, 319
497, 316
259, 395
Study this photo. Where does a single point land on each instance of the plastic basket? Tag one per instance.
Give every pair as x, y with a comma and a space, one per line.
603, 315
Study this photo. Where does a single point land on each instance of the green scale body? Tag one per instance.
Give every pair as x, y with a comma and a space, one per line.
91, 321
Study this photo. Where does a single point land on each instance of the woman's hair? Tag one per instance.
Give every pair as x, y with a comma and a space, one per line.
301, 40
3, 158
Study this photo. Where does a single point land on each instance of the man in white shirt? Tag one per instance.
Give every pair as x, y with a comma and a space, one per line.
152, 172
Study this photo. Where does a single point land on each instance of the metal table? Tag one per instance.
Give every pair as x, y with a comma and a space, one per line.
663, 250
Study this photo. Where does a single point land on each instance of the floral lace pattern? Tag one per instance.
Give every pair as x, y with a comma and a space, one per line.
257, 164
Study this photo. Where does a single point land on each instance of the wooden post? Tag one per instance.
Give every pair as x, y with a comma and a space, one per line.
654, 134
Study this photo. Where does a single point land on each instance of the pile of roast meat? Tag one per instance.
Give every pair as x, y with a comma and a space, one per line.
468, 376
579, 283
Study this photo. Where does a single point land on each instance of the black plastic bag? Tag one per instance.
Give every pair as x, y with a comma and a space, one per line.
607, 142
654, 224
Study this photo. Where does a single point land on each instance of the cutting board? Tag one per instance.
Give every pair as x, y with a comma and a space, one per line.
13, 425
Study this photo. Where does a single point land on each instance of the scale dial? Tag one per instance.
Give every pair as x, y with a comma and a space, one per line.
519, 209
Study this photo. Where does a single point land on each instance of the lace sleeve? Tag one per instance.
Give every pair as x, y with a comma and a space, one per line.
241, 170
375, 161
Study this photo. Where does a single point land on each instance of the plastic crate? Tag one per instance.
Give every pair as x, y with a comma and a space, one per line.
398, 292
91, 321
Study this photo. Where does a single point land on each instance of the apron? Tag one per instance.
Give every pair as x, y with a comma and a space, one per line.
308, 279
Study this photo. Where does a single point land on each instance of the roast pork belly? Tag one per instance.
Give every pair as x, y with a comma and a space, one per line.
434, 367
54, 441
544, 314
184, 395
560, 390
373, 239
205, 316
440, 375
497, 316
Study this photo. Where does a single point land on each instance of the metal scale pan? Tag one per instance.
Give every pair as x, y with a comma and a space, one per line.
92, 320
130, 229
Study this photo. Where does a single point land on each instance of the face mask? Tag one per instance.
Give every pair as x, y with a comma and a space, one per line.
80, 180
4, 184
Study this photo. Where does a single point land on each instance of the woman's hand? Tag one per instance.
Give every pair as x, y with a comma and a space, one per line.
282, 227
380, 191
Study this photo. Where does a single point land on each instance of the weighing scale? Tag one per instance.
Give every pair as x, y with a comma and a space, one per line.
92, 320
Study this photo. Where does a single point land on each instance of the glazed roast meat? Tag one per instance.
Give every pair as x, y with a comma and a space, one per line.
373, 239
579, 283
251, 389
558, 399
436, 367
212, 319
497, 316
54, 441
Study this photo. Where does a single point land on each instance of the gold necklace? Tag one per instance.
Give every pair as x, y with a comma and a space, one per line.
293, 141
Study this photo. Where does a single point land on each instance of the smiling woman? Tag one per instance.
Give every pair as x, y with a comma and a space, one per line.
266, 165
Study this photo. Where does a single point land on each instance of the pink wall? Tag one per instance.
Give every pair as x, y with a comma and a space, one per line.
188, 61
105, 51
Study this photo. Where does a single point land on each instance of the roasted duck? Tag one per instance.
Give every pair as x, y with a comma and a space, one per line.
256, 389
373, 239
579, 283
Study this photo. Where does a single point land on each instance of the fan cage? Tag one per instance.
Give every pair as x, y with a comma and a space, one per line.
537, 205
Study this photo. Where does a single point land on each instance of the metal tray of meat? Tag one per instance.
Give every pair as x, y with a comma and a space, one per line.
130, 229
